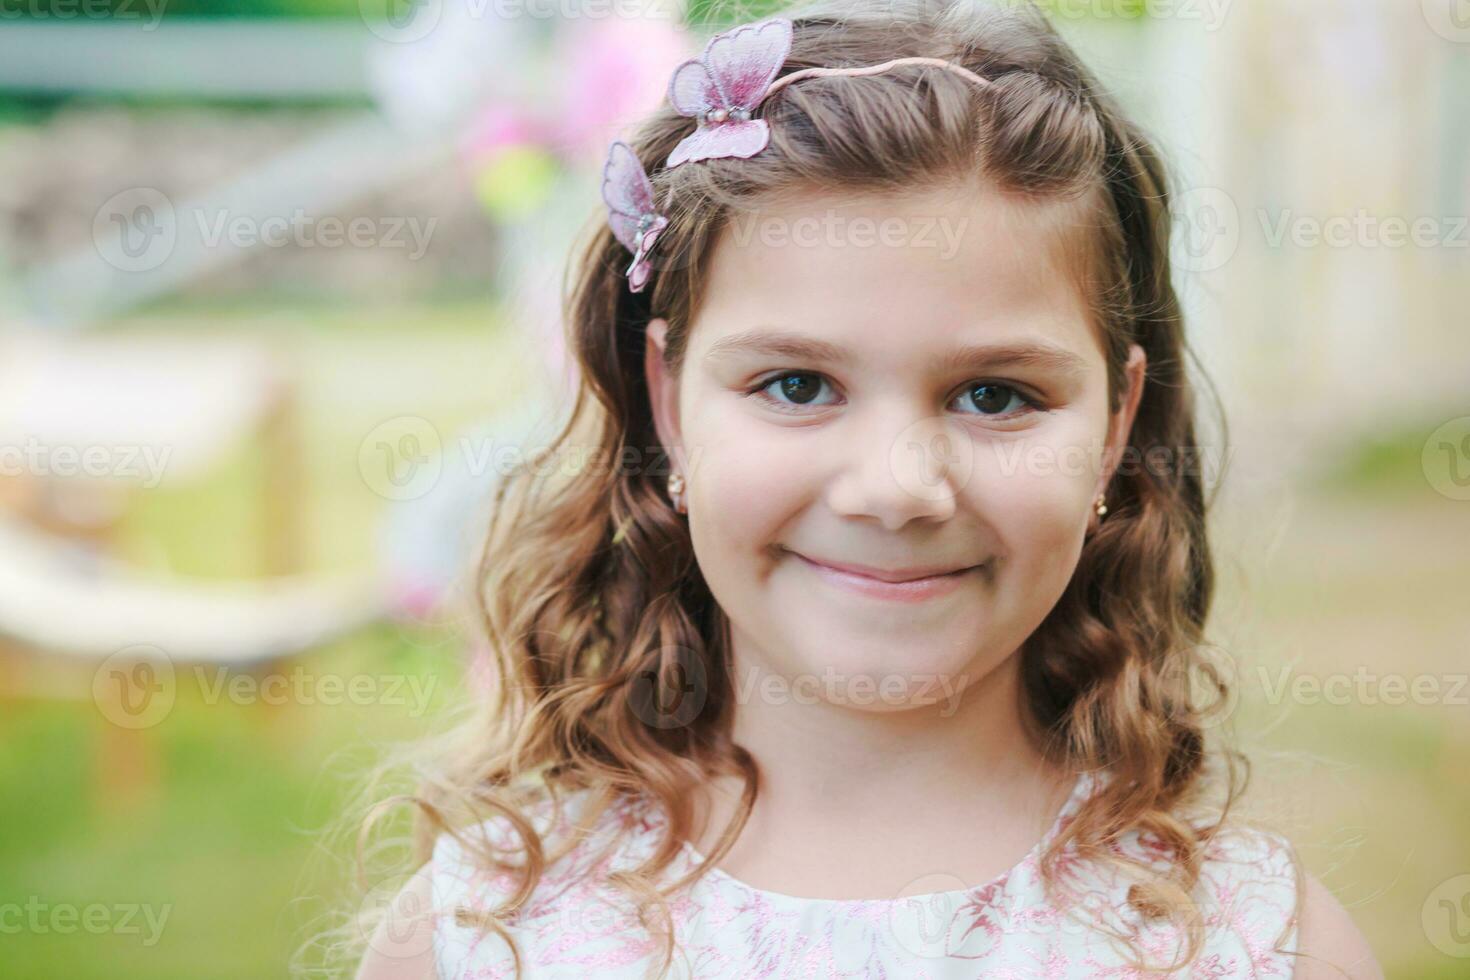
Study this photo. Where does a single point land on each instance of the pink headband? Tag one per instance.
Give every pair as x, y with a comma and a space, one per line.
958, 69
721, 89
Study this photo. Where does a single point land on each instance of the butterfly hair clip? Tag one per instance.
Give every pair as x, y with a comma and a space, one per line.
723, 86
635, 222
721, 89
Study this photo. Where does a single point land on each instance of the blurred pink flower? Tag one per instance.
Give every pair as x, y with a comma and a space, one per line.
499, 126
613, 71
411, 598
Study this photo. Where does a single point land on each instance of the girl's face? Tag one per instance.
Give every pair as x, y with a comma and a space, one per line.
902, 385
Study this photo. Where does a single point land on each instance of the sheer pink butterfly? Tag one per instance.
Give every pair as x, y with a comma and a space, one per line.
722, 88
628, 194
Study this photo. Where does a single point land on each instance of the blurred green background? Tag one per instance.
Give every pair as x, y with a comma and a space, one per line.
1341, 526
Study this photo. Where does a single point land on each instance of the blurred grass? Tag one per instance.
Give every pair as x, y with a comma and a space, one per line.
1360, 570
220, 838
1385, 465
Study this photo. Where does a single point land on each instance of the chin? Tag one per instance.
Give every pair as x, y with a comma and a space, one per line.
829, 645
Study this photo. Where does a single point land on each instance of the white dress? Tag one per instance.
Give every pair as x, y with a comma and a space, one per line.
577, 925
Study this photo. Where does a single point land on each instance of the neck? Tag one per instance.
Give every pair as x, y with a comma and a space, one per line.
966, 751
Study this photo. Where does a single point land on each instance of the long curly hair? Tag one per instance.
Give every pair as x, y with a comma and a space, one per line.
593, 604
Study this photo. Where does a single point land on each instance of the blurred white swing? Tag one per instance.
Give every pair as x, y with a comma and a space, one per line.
87, 420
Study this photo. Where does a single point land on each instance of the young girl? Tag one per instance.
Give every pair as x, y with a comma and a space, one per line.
870, 641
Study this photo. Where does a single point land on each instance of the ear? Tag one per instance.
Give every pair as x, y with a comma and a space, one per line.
1121, 424
663, 387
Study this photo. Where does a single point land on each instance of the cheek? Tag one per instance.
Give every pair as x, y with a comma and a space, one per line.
744, 484
1036, 492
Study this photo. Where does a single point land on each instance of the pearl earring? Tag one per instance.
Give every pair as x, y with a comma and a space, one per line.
1101, 505
676, 491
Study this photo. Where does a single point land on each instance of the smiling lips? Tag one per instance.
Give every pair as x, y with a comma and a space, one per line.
906, 584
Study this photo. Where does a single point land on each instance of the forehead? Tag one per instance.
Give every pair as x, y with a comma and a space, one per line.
891, 275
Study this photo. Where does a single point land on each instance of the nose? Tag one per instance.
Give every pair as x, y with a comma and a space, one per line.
910, 468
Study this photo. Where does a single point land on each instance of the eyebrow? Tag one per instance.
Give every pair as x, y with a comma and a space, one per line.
1032, 353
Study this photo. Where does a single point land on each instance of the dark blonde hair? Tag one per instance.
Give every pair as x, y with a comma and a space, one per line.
591, 596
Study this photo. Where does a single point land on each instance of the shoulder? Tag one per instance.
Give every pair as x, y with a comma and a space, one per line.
461, 888
1250, 880
1331, 946
1264, 901
1244, 900
420, 931
1242, 907
402, 946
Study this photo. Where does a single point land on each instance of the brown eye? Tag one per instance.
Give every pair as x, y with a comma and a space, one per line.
994, 399
796, 389
800, 388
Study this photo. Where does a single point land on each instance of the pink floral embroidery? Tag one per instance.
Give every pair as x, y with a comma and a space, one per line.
577, 925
